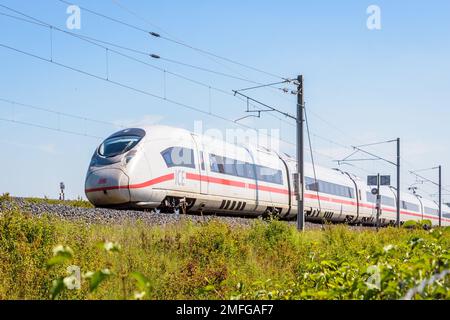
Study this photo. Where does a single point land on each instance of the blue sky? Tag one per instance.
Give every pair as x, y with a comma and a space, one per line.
361, 85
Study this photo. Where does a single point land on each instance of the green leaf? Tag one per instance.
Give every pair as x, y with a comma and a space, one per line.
426, 223
208, 288
96, 278
410, 224
60, 249
388, 248
57, 287
61, 254
142, 281
109, 246
371, 286
414, 241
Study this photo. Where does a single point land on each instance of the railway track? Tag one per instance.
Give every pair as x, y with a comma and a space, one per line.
104, 215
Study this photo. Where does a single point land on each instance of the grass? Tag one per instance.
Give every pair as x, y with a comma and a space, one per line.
80, 203
73, 203
269, 260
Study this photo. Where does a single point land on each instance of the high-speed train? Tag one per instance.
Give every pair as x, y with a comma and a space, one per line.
173, 170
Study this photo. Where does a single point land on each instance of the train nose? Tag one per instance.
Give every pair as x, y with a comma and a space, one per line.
107, 187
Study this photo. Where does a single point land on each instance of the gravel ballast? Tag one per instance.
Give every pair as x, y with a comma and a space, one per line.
104, 215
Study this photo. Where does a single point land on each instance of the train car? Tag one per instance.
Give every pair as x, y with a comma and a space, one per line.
369, 210
446, 214
173, 170
430, 210
330, 195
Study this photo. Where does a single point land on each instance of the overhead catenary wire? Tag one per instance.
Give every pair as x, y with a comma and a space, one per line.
97, 42
35, 125
184, 44
131, 88
127, 48
59, 113
375, 143
426, 179
191, 79
157, 35
94, 40
40, 22
145, 20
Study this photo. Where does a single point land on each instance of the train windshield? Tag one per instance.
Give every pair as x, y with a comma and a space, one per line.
117, 145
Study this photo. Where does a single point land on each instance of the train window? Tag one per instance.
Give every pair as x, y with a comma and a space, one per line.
387, 201
352, 192
431, 211
323, 187
202, 161
217, 163
329, 188
240, 168
179, 157
114, 146
244, 169
250, 171
229, 166
213, 163
371, 197
267, 174
334, 189
311, 184
410, 206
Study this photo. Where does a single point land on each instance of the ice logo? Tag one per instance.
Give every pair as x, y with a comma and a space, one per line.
74, 20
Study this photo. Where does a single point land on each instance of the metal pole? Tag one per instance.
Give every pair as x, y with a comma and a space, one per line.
378, 204
398, 182
300, 155
440, 195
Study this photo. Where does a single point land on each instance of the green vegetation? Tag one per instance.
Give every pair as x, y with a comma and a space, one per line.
6, 197
73, 203
269, 260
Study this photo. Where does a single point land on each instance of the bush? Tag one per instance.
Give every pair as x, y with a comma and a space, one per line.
267, 260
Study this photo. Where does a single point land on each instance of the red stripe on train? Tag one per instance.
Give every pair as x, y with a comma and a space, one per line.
148, 183
239, 184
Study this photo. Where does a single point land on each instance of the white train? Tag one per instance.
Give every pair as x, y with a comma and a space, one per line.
170, 169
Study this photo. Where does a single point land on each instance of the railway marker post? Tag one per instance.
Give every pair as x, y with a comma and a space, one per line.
378, 180
61, 193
